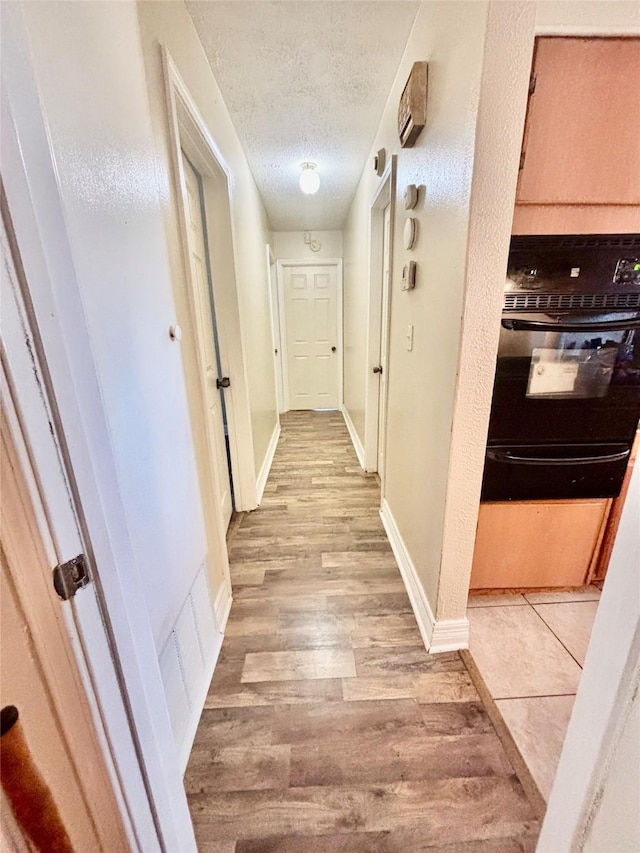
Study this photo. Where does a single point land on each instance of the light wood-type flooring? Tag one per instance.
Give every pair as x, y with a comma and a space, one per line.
327, 726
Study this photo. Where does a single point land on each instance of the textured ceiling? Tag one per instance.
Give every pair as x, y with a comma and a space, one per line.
305, 81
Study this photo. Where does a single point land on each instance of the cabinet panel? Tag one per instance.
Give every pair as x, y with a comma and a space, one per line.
582, 144
576, 219
536, 544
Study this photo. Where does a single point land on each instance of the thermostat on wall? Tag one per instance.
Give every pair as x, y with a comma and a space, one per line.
410, 197
409, 276
410, 228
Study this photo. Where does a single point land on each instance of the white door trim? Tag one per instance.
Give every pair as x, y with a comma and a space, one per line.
31, 582
38, 218
276, 332
281, 265
188, 131
384, 195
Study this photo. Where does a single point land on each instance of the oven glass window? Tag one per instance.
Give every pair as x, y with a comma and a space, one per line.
572, 368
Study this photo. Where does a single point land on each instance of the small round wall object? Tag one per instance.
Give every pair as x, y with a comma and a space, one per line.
410, 233
175, 333
379, 162
410, 196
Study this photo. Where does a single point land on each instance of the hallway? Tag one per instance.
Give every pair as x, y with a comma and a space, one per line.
327, 726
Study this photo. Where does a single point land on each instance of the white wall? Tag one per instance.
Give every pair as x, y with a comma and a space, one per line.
170, 24
581, 807
421, 382
83, 194
289, 245
95, 103
356, 303
587, 17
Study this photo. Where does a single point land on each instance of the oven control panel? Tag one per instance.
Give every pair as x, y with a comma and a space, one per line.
627, 271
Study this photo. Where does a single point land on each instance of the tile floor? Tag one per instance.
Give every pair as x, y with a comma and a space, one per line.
530, 650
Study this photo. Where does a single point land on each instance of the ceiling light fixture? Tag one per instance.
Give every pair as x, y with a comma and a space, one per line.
309, 179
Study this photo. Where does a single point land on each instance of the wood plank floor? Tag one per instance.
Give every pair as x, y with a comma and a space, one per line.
327, 726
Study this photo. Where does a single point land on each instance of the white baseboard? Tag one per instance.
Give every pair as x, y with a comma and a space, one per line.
444, 636
263, 476
449, 635
355, 438
222, 606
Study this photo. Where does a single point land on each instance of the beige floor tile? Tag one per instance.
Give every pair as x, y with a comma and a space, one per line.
571, 623
538, 726
478, 600
586, 593
518, 655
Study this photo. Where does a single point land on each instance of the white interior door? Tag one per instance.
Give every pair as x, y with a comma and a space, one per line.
384, 340
66, 641
311, 322
206, 333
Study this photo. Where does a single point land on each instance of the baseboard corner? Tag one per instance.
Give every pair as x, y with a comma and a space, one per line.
450, 635
415, 591
353, 435
263, 475
222, 605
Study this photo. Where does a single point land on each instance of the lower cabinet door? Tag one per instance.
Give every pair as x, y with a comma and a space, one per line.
537, 544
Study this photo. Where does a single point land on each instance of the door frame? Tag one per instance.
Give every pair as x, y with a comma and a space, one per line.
124, 670
50, 632
214, 435
377, 336
276, 336
281, 265
189, 132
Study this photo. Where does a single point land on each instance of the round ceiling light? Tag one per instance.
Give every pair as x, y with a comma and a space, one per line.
309, 179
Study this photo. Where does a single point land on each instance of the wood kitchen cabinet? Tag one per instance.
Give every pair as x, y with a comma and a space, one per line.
581, 148
537, 544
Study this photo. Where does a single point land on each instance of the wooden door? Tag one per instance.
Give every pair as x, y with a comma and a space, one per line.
41, 679
206, 334
384, 340
311, 321
581, 143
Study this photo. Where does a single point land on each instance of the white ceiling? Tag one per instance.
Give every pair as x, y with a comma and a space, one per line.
305, 81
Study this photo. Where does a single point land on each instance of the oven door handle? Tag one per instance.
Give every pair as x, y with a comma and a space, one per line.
511, 458
516, 325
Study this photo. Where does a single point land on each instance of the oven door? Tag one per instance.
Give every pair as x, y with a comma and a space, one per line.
570, 378
554, 471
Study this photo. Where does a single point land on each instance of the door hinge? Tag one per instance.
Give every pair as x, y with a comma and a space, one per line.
71, 576
225, 382
522, 159
532, 83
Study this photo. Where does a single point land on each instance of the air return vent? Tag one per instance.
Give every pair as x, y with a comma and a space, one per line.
575, 241
566, 301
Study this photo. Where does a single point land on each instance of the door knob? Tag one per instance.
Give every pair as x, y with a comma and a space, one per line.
333, 349
377, 370
225, 382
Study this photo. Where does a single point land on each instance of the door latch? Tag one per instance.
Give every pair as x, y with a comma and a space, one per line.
71, 576
377, 369
225, 382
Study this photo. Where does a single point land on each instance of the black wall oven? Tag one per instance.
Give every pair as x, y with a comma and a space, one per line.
566, 397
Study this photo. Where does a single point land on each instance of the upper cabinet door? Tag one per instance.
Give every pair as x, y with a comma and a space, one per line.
582, 135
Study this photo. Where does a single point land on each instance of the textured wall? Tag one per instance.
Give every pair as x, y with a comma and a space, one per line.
422, 382
95, 104
289, 245
356, 303
501, 112
170, 24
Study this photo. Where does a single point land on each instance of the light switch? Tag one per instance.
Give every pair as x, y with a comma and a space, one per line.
409, 338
